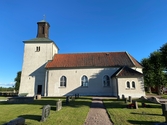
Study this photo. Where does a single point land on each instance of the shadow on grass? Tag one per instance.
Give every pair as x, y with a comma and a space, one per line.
145, 113
142, 122
31, 117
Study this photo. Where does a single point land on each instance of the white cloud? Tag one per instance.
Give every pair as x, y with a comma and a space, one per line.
11, 84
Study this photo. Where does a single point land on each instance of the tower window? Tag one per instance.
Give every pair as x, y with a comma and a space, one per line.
37, 48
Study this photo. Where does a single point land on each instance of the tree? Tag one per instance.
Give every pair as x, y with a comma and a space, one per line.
148, 73
17, 81
163, 51
159, 79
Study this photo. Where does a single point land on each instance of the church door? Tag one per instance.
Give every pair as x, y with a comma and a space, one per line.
39, 89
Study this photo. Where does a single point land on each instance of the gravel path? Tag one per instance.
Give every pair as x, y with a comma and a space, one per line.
97, 114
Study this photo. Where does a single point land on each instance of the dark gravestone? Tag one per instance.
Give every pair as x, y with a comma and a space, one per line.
165, 114
123, 96
17, 121
143, 104
126, 100
118, 97
130, 99
45, 112
164, 108
77, 95
67, 99
58, 105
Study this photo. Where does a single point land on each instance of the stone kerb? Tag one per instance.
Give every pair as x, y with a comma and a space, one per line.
45, 112
20, 100
17, 121
58, 105
143, 97
154, 99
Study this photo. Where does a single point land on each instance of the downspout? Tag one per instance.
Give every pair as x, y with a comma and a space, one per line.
46, 84
117, 84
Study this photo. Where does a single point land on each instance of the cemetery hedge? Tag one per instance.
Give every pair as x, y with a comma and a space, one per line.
121, 115
72, 114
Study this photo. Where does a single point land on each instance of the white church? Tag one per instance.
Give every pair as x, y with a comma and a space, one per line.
51, 74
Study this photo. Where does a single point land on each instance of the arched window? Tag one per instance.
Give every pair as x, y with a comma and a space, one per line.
128, 84
133, 84
84, 81
106, 81
63, 81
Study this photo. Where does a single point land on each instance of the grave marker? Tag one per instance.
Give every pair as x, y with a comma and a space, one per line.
45, 112
58, 105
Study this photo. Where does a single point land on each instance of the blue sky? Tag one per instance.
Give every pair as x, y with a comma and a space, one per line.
136, 26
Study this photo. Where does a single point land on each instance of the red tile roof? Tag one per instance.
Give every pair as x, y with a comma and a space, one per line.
127, 72
104, 59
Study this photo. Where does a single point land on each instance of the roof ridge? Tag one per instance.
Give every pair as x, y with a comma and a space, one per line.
130, 58
92, 52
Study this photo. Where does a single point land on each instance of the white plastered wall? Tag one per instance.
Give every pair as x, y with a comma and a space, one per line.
95, 85
33, 68
136, 92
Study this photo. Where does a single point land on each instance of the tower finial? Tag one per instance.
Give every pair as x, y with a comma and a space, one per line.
44, 17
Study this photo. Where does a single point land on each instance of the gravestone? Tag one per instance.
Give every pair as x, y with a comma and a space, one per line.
123, 96
77, 95
165, 114
118, 97
17, 121
164, 108
130, 99
67, 99
58, 105
135, 104
126, 100
45, 112
73, 98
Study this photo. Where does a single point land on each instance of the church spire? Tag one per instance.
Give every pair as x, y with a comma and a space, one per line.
43, 29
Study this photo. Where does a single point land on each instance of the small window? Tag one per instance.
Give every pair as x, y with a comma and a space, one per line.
37, 48
106, 81
133, 84
63, 81
84, 81
128, 84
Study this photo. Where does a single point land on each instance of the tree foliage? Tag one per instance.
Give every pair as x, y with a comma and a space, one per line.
158, 70
154, 69
148, 73
163, 51
17, 81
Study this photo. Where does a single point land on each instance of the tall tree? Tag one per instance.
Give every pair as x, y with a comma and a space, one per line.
163, 51
148, 73
159, 79
17, 81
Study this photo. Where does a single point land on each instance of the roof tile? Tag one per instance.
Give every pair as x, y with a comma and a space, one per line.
103, 59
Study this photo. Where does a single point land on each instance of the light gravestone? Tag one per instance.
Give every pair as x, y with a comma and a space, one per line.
45, 112
58, 105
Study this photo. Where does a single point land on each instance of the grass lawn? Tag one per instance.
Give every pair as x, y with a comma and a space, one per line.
72, 114
121, 115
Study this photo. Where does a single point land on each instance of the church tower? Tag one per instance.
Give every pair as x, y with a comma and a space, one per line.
37, 52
